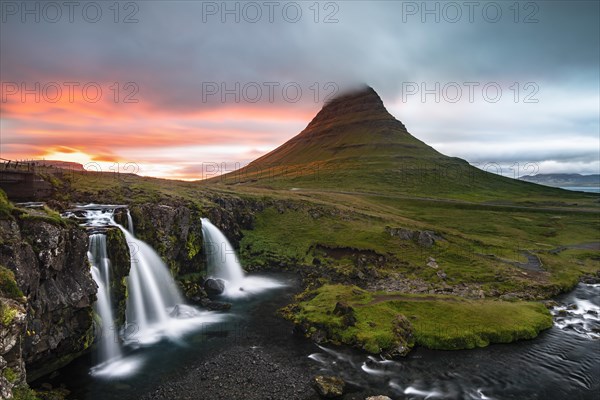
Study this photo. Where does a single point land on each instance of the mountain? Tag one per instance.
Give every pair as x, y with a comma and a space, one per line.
558, 180
355, 144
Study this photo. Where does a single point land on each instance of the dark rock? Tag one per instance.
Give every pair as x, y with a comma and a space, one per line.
509, 297
214, 286
319, 336
118, 253
403, 330
50, 264
346, 312
215, 305
12, 328
550, 304
329, 387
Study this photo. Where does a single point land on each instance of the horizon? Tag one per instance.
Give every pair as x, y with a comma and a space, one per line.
173, 89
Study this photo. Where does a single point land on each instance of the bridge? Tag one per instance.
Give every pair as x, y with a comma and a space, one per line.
20, 181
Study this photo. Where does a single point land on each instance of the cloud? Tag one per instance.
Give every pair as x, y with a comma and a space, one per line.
176, 52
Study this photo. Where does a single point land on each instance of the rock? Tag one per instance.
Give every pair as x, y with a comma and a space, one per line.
441, 275
433, 264
591, 279
509, 297
403, 330
402, 233
329, 387
347, 312
426, 239
215, 305
319, 336
50, 264
12, 328
214, 286
550, 304
562, 313
378, 398
572, 306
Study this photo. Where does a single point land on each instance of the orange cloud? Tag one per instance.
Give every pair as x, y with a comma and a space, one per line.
74, 129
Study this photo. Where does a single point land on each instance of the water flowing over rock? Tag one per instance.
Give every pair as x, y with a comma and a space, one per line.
223, 263
109, 346
222, 259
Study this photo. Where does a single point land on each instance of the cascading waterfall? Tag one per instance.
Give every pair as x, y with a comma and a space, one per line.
221, 257
152, 290
223, 263
155, 308
130, 223
109, 346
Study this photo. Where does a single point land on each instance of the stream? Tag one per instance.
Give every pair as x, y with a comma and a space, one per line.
562, 363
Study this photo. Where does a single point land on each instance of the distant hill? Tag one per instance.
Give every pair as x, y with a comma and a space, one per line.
564, 180
355, 144
59, 164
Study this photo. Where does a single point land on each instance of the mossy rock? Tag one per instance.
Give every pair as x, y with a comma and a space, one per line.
8, 284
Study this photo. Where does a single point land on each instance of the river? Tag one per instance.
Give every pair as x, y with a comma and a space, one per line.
561, 363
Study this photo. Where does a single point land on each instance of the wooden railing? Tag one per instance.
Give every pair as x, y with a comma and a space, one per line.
21, 166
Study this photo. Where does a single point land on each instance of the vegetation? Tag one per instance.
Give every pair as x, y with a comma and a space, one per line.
10, 375
6, 206
24, 393
8, 284
438, 322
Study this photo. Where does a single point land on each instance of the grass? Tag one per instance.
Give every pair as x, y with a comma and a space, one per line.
6, 206
438, 322
8, 285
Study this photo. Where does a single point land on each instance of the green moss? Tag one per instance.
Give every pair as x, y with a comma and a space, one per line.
10, 375
24, 393
7, 315
193, 246
6, 206
45, 214
439, 322
8, 284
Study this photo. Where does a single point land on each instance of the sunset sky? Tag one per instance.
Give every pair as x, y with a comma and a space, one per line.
142, 83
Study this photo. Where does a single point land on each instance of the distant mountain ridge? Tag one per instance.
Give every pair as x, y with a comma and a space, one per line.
564, 180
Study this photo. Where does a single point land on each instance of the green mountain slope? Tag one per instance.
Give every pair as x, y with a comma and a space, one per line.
355, 144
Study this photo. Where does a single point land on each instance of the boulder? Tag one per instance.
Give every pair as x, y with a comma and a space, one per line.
378, 398
329, 387
214, 286
346, 312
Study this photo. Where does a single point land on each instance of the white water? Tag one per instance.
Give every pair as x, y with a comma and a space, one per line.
108, 346
130, 223
155, 308
223, 263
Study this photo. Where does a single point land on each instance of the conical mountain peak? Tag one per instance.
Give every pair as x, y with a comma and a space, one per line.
359, 104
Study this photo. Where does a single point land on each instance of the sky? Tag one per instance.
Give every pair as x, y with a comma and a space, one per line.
184, 89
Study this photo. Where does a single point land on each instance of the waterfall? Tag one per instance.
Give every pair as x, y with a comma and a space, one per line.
130, 223
152, 290
223, 263
155, 308
109, 346
221, 256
